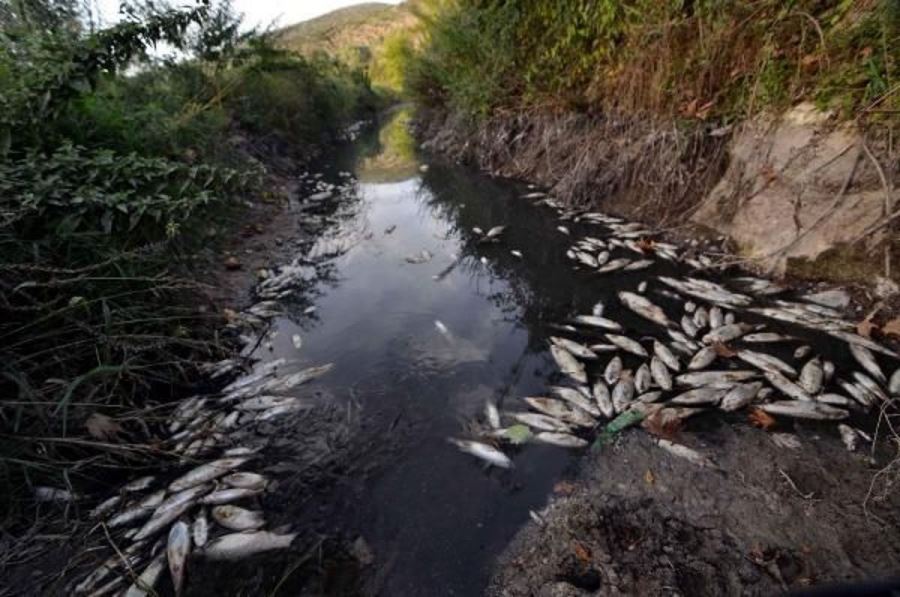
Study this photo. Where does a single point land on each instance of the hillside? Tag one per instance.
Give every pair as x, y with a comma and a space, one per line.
352, 33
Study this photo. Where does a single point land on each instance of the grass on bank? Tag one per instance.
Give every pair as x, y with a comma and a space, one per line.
113, 166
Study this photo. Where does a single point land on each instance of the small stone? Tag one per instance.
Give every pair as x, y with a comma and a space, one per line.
362, 552
232, 263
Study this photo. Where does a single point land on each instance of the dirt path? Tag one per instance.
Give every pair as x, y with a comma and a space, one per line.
640, 521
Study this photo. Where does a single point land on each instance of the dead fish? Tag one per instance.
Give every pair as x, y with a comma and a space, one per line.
688, 454
766, 338
603, 399
858, 393
800, 409
812, 376
682, 339
643, 307
613, 370
246, 480
568, 364
638, 265
282, 409
849, 436
53, 494
894, 383
289, 382
560, 410
802, 351
865, 342
649, 397
144, 583
579, 350
595, 321
865, 358
443, 329
170, 509
740, 396
495, 231
573, 396
627, 344
563, 440
870, 384
239, 546
597, 309
138, 511
660, 373
200, 529
833, 399
297, 341
701, 317
828, 370
726, 333
492, 414
716, 318
716, 379
421, 257
666, 356
703, 359
516, 253
766, 362
484, 452
603, 258
642, 379
231, 494
240, 451
266, 402
786, 386
623, 394
615, 264
598, 348
105, 507
564, 230
540, 421
586, 259
177, 549
698, 396
139, 484
238, 519
687, 324
206, 472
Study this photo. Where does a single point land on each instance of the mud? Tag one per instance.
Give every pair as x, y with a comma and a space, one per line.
639, 521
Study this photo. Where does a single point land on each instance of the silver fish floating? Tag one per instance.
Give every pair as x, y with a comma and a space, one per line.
613, 370
482, 451
799, 409
643, 307
178, 547
627, 344
238, 519
542, 422
239, 546
568, 364
563, 440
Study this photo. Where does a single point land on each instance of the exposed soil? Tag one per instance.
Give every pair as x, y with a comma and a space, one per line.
640, 521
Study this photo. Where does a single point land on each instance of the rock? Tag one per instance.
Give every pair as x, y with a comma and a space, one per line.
232, 263
885, 287
836, 299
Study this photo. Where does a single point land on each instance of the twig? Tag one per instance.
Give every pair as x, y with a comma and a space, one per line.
805, 496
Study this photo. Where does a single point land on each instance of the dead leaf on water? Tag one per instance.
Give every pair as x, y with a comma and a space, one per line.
649, 479
723, 350
581, 552
564, 488
864, 328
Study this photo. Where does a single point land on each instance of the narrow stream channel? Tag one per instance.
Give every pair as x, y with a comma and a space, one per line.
436, 516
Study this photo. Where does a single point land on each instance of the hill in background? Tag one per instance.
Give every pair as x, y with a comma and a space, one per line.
359, 35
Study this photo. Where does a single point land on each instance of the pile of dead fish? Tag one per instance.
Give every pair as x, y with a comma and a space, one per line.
701, 356
162, 523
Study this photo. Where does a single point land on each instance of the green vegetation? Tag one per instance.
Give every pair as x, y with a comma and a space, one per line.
690, 59
114, 168
370, 36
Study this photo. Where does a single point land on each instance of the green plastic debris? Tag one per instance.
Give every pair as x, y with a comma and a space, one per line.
518, 434
625, 420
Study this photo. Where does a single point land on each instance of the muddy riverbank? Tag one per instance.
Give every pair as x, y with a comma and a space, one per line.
380, 293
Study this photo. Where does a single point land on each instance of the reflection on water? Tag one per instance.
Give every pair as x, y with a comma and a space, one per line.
394, 159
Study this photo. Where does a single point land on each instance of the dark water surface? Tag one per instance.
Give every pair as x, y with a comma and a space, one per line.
436, 518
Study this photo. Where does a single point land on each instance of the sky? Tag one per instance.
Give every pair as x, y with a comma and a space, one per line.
261, 12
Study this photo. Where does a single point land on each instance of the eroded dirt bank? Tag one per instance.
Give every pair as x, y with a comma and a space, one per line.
637, 521
800, 186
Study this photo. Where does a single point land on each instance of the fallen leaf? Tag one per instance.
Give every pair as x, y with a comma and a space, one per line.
649, 479
102, 427
229, 314
645, 244
762, 419
891, 328
723, 350
864, 328
564, 488
581, 552
663, 426
518, 434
